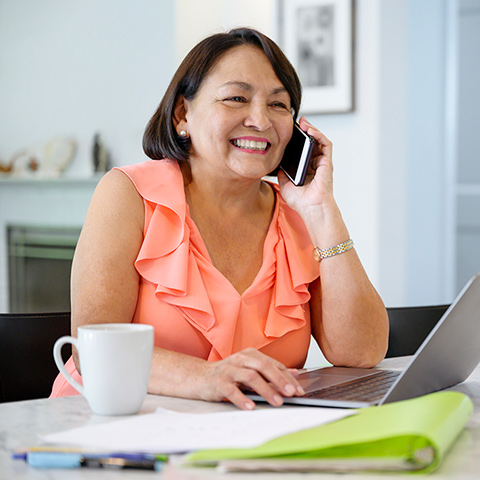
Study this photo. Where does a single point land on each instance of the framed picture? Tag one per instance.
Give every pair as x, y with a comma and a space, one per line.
317, 37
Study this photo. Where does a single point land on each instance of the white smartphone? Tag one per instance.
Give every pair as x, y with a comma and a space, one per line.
297, 155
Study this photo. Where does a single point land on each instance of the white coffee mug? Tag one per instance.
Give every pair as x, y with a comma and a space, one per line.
115, 361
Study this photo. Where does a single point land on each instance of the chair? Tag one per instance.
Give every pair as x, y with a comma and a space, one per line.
27, 368
409, 326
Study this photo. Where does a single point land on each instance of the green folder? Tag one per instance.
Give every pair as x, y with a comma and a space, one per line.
411, 435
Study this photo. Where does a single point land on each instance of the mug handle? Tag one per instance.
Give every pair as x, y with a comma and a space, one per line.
57, 355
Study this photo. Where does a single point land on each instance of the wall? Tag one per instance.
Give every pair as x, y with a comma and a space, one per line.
75, 68
425, 255
466, 177
196, 20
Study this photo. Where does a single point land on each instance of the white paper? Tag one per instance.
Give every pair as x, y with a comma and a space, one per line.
170, 432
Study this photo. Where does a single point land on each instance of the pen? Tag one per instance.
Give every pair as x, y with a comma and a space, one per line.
47, 459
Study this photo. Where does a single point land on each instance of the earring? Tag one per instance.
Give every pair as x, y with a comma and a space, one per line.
183, 133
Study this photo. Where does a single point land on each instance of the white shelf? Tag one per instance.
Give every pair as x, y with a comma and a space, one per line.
6, 180
468, 189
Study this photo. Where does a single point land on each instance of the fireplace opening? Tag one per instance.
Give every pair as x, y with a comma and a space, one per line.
39, 264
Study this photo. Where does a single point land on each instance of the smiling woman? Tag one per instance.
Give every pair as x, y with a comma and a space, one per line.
196, 243
160, 138
250, 113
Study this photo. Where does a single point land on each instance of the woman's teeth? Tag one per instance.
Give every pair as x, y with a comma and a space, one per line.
250, 144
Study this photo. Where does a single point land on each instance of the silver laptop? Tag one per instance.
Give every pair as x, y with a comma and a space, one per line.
447, 356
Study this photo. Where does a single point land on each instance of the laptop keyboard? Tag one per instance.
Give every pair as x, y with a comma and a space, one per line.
365, 389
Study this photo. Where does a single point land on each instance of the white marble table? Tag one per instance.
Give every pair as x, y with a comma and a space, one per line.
22, 422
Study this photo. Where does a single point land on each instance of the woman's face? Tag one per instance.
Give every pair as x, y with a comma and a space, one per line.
240, 120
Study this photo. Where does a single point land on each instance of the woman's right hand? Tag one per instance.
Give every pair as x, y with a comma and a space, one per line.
269, 378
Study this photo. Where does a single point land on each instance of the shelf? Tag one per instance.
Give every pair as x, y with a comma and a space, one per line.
468, 189
47, 181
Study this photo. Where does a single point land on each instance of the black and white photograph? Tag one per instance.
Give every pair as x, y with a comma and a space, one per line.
315, 48
317, 36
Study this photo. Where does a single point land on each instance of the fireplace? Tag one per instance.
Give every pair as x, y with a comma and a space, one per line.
39, 264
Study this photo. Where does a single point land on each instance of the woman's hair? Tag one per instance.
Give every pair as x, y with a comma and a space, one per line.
160, 139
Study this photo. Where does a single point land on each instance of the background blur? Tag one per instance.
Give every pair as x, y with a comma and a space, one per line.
407, 171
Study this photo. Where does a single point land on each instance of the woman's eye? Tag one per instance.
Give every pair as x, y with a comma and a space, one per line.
280, 105
235, 99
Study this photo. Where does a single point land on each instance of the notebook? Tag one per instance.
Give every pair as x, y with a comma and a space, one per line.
447, 357
412, 435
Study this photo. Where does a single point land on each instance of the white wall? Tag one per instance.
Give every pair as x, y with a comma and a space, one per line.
74, 68
196, 20
425, 256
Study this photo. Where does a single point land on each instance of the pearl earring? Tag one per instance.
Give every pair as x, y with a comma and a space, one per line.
183, 133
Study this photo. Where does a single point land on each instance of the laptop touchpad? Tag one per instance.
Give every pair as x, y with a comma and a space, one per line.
325, 377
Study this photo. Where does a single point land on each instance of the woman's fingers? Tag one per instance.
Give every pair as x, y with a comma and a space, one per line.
230, 391
262, 374
280, 378
252, 379
320, 138
323, 146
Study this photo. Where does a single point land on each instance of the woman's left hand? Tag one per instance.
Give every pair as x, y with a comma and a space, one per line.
318, 187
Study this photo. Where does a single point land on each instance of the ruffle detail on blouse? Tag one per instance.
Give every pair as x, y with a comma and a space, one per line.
165, 258
177, 264
295, 270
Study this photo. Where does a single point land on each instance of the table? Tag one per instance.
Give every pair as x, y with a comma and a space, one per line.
22, 422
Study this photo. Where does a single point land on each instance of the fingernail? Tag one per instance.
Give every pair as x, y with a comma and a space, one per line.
249, 405
300, 390
289, 389
277, 399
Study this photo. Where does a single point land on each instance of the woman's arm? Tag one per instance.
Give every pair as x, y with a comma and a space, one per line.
180, 375
105, 289
349, 320
104, 282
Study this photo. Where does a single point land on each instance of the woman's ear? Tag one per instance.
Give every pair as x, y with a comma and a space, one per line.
180, 114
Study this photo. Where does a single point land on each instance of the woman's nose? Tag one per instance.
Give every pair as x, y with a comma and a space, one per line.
258, 118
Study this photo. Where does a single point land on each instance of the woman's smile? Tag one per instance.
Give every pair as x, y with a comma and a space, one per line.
251, 144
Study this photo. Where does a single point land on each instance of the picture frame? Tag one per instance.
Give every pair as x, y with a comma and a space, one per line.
318, 38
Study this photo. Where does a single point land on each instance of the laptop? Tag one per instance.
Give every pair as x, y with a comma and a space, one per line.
447, 357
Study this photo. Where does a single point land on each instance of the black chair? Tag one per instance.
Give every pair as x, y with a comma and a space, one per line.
27, 368
409, 326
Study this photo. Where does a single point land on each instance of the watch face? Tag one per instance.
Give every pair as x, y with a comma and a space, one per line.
316, 255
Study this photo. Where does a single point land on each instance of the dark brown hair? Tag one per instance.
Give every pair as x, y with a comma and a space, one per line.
160, 139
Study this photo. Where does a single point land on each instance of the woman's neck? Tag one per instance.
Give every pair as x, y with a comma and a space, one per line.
227, 197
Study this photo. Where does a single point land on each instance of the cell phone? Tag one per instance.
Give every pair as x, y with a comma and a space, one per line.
297, 155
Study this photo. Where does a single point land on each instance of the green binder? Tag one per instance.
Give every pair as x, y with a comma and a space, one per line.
411, 435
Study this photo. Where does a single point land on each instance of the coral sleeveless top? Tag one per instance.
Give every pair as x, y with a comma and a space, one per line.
193, 308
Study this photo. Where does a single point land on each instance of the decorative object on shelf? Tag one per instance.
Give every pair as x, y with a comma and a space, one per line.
25, 162
45, 161
100, 154
5, 167
317, 36
59, 152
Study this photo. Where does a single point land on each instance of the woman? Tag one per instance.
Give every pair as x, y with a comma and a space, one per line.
219, 261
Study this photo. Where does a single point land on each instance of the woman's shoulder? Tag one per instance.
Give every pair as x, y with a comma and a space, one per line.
151, 170
148, 167
154, 179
